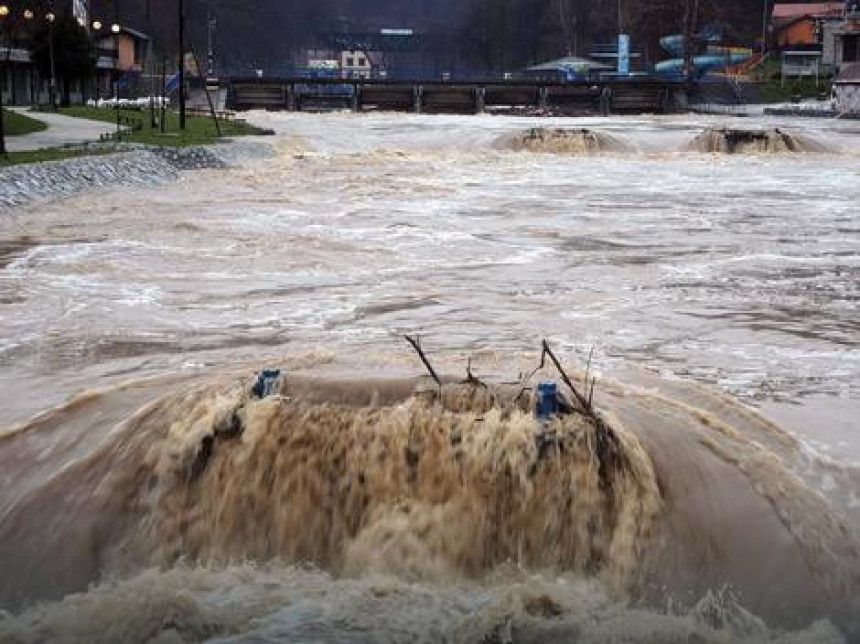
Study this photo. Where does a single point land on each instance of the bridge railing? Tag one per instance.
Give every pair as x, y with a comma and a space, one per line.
641, 94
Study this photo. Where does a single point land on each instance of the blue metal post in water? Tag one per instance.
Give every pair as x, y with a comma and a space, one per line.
547, 400
265, 384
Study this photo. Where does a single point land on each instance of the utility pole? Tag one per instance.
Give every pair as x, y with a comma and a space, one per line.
212, 23
117, 30
163, 93
764, 29
181, 64
150, 68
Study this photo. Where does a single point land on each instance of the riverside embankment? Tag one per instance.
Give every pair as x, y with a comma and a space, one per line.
117, 166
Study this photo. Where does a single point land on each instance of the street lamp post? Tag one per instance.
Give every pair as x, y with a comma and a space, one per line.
115, 29
96, 27
53, 89
4, 17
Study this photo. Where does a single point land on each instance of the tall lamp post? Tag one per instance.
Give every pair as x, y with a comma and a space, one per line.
4, 17
96, 27
116, 29
51, 17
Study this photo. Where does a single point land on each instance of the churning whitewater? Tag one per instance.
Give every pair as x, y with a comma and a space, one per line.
151, 494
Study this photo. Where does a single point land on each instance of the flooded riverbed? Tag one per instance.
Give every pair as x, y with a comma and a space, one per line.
705, 283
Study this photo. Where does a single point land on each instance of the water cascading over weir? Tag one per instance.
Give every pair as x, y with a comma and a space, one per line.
438, 481
572, 141
726, 140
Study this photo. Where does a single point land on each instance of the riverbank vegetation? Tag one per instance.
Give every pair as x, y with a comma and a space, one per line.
773, 90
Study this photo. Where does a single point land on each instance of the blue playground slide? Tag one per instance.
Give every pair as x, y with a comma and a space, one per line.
715, 58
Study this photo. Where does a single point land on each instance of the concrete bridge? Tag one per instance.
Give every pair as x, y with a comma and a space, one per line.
455, 97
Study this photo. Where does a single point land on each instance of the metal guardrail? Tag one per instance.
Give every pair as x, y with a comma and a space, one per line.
617, 94
642, 81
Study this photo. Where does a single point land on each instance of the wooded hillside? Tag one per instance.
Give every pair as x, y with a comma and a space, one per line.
482, 35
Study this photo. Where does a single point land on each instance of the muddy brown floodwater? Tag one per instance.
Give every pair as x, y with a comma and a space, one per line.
712, 265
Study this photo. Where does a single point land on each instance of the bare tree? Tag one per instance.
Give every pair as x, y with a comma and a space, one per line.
573, 18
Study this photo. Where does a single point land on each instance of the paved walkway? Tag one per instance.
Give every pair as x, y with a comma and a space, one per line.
62, 130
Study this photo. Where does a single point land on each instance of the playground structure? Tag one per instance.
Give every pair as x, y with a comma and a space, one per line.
715, 57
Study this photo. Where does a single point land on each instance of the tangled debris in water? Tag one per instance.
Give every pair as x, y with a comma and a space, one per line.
449, 481
572, 141
726, 140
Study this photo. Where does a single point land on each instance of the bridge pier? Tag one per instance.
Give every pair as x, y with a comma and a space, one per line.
606, 101
291, 98
417, 98
356, 98
480, 100
543, 98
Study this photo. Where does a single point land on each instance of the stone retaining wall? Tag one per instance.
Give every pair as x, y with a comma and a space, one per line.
22, 184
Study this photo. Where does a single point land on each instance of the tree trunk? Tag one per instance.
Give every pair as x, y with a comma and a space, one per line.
65, 92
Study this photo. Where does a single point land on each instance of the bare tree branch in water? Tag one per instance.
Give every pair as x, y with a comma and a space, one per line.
471, 379
606, 446
416, 344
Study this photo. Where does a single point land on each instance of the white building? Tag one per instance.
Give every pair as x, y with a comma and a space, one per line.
356, 64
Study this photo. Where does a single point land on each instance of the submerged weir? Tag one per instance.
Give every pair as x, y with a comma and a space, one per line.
565, 141
406, 481
714, 140
753, 141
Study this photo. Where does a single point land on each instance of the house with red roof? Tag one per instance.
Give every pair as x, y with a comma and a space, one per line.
810, 29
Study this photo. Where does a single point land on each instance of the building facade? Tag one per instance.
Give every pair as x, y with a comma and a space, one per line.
122, 59
118, 55
830, 28
848, 38
20, 82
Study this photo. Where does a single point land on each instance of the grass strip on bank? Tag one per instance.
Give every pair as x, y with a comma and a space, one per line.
199, 130
51, 154
16, 124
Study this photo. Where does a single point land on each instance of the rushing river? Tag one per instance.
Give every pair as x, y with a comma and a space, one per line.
715, 290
